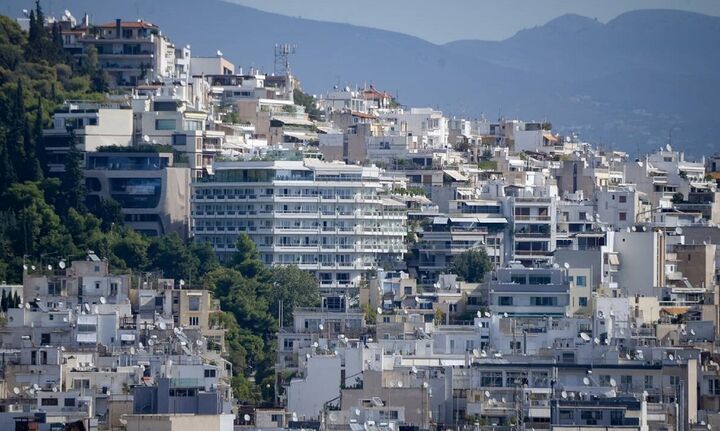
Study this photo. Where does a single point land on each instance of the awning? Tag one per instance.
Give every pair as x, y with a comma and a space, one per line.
455, 175
613, 259
127, 337
549, 137
675, 310
440, 220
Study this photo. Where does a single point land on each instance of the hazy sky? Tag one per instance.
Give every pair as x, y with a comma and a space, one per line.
446, 20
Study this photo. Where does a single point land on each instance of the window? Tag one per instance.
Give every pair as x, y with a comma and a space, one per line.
288, 344
97, 285
543, 301
193, 125
648, 382
210, 372
581, 281
491, 379
69, 402
194, 321
505, 300
164, 124
604, 380
622, 216
583, 301
623, 199
49, 401
45, 339
626, 381
539, 279
714, 386
81, 384
194, 303
518, 279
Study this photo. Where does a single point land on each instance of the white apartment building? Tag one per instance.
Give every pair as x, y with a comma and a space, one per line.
427, 123
328, 218
620, 206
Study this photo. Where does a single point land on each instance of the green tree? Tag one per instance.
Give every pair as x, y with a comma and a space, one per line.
471, 265
73, 179
247, 259
4, 301
295, 288
38, 138
16, 301
131, 248
171, 255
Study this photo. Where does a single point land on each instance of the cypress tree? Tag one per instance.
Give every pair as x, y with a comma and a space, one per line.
3, 301
38, 136
7, 169
15, 139
73, 181
16, 301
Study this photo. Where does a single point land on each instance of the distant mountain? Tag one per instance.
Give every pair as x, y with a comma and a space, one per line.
629, 83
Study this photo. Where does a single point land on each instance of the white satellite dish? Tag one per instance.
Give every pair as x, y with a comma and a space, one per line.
379, 310
596, 340
132, 350
414, 369
27, 305
146, 139
54, 388
566, 265
246, 417
483, 353
16, 390
671, 357
586, 381
151, 342
49, 267
692, 332
476, 353
479, 314
87, 307
425, 385
36, 386
103, 300
505, 315
96, 310
198, 343
564, 395
162, 325
502, 399
584, 336
25, 267
321, 327
487, 394
219, 53
32, 267
613, 383
400, 384
357, 412
315, 344
487, 314
307, 356
61, 264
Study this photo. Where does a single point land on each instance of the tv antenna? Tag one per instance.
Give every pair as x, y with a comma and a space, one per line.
283, 51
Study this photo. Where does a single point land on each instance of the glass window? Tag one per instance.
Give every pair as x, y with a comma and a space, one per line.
194, 303
581, 281
165, 124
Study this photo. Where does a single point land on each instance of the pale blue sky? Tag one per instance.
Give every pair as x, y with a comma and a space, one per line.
442, 21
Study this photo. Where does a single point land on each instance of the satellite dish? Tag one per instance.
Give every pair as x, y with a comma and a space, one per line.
505, 315
483, 353
307, 356
425, 385
671, 357
487, 314
487, 394
357, 412
54, 388
61, 264
479, 314
162, 325
36, 386
198, 343
146, 139
586, 381
103, 300
596, 340
502, 400
321, 327
564, 395
16, 390
476, 353
692, 332
566, 265
32, 267
25, 267
414, 369
62, 348
613, 383
584, 336
140, 345
246, 417
219, 53
49, 267
27, 305
400, 384
132, 350
87, 307
379, 310
151, 342
315, 344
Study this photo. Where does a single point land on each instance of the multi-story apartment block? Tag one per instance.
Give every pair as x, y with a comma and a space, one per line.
151, 190
131, 51
93, 125
520, 291
533, 214
328, 218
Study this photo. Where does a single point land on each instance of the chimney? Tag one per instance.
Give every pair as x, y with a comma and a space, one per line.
117, 28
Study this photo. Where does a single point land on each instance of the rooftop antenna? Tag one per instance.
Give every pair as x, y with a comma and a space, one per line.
283, 51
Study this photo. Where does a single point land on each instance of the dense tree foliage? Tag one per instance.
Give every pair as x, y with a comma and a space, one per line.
471, 265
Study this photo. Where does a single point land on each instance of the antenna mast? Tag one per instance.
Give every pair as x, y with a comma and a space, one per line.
283, 51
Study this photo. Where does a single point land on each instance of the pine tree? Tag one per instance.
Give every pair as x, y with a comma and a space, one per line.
73, 181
